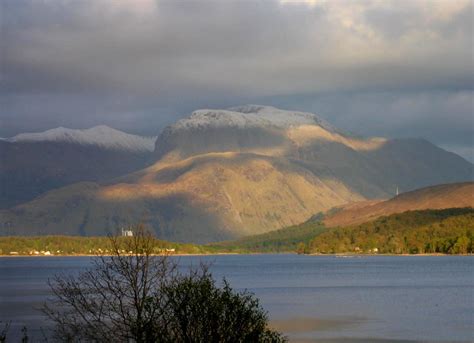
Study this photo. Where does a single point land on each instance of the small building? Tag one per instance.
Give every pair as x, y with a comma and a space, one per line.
127, 233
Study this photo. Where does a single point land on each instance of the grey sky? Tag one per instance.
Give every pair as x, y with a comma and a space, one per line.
391, 68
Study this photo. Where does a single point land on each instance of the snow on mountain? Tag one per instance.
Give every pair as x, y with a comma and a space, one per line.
250, 116
102, 136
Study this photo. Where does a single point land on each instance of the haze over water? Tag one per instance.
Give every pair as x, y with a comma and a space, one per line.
422, 298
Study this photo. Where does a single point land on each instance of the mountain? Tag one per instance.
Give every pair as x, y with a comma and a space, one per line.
206, 198
33, 163
223, 174
100, 136
438, 197
371, 167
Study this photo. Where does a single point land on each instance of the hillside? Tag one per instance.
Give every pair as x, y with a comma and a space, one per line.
223, 174
448, 231
288, 239
437, 197
213, 198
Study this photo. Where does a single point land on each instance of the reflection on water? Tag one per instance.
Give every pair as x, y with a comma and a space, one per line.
427, 298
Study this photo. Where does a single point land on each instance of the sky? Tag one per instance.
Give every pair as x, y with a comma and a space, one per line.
401, 68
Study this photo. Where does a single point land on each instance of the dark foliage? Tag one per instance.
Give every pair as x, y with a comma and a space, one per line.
4, 332
287, 239
135, 296
449, 231
202, 312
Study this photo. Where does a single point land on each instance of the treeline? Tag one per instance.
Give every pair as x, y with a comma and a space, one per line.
76, 245
284, 240
289, 239
449, 231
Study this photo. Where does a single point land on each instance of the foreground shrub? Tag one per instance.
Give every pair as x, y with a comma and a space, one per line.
134, 296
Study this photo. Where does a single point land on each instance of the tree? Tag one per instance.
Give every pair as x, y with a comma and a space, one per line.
301, 248
4, 332
136, 296
202, 312
462, 245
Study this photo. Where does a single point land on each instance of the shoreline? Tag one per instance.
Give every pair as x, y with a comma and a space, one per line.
338, 255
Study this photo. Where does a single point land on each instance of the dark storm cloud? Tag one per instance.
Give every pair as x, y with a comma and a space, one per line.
397, 68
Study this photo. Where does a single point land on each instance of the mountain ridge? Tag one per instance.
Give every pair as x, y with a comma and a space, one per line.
101, 135
34, 163
246, 116
456, 195
205, 183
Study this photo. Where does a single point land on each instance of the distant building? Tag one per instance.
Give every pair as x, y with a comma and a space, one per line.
127, 233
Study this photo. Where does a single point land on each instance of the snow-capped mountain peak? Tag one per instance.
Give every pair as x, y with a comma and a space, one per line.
102, 136
250, 116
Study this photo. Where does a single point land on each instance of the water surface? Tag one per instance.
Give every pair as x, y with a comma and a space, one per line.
411, 298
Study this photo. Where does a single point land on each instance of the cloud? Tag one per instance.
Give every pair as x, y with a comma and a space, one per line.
132, 61
254, 48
